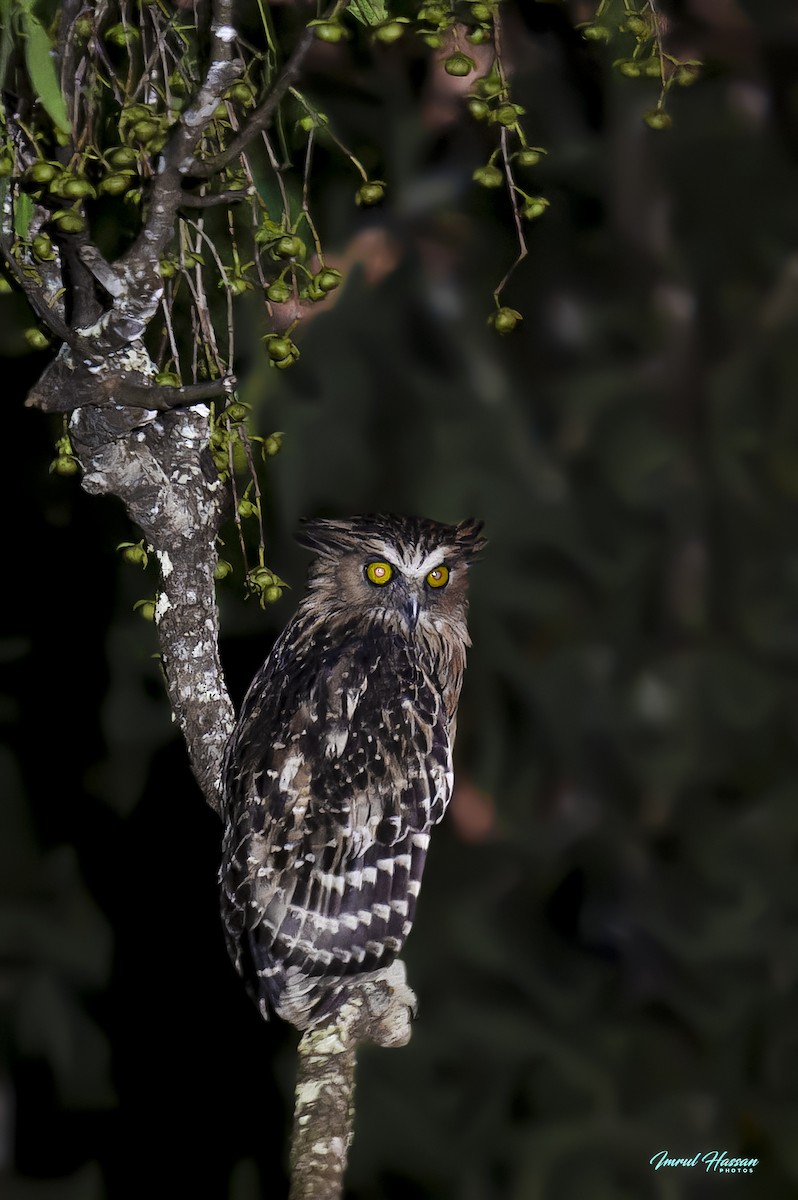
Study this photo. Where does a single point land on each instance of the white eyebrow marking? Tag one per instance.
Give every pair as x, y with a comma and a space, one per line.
417, 566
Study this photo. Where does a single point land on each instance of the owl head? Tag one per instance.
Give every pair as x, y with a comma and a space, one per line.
406, 573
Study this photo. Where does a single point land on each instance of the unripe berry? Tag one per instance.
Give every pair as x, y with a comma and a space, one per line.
528, 157
36, 339
478, 108
488, 176
236, 411
117, 183
39, 174
145, 609
278, 292
328, 279
459, 64
534, 207
329, 31
69, 221
370, 193
65, 466
631, 69
168, 379
42, 248
272, 444
289, 246
222, 569
481, 12
247, 509
272, 594
657, 119
595, 33
280, 348
478, 36
489, 86
260, 578
389, 32
505, 320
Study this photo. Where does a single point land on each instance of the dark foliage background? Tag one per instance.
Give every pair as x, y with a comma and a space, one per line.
607, 946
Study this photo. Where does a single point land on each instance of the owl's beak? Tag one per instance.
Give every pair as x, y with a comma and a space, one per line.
411, 610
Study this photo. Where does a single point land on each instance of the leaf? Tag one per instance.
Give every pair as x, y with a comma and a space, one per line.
369, 12
23, 211
6, 38
42, 70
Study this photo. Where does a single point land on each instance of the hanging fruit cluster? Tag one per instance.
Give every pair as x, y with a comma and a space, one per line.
637, 32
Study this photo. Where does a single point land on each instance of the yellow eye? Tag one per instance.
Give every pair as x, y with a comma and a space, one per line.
438, 576
379, 573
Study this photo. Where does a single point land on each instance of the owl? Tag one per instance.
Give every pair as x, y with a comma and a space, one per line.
341, 761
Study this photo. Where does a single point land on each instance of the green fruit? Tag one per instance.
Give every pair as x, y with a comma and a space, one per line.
329, 279
528, 157
42, 248
83, 28
687, 74
280, 348
241, 93
145, 130
657, 119
6, 166
236, 411
247, 509
36, 338
168, 379
433, 40
222, 569
481, 12
389, 32
595, 33
637, 26
5, 286
631, 69
433, 14
370, 193
145, 609
260, 578
289, 246
507, 114
123, 156
478, 108
653, 68
272, 594
65, 466
272, 444
135, 555
116, 184
313, 292
488, 86
75, 187
68, 221
478, 37
535, 207
167, 268
459, 65
329, 31
278, 292
488, 176
39, 174
505, 320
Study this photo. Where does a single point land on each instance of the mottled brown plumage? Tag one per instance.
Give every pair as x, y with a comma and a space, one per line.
341, 761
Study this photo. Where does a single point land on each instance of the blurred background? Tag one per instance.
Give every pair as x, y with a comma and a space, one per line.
606, 951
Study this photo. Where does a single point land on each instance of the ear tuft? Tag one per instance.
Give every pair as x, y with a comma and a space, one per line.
469, 538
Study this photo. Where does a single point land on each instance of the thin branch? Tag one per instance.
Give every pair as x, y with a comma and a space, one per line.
214, 200
261, 117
